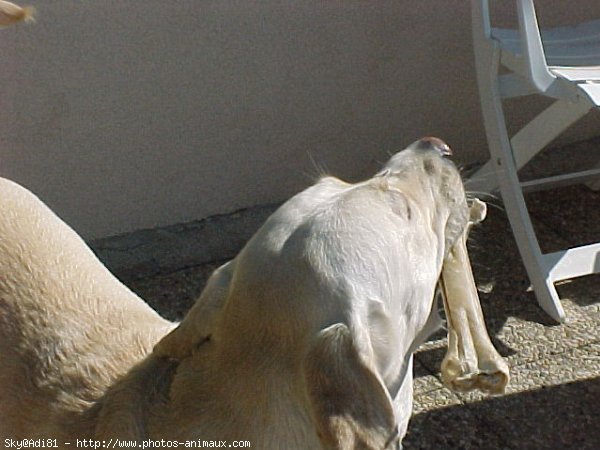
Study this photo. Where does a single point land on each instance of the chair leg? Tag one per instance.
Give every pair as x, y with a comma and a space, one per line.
483, 180
529, 248
506, 172
531, 139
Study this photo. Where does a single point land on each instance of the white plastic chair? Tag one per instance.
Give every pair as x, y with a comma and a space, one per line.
561, 63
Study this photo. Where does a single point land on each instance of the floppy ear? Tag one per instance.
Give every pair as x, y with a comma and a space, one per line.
198, 324
351, 407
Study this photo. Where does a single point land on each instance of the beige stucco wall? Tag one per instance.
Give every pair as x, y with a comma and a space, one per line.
128, 114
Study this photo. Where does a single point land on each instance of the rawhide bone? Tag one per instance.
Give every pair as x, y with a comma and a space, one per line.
471, 361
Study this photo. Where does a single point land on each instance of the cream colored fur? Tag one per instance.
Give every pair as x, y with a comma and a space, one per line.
11, 14
68, 328
303, 341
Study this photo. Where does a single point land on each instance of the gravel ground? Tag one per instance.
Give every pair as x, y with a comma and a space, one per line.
554, 397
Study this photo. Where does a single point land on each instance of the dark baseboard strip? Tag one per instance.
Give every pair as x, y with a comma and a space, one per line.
151, 252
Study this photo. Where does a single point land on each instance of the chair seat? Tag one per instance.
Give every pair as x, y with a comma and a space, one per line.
592, 90
563, 46
572, 54
577, 74
586, 78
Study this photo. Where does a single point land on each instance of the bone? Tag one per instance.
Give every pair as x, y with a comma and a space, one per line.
471, 362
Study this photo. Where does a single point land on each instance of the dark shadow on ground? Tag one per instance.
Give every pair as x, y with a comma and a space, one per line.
560, 417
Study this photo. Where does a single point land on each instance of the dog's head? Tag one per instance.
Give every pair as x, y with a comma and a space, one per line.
425, 165
336, 377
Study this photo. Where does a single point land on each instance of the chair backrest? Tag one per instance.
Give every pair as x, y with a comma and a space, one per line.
535, 68
532, 48
481, 21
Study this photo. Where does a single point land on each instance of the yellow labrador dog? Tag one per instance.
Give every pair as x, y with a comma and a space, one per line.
303, 341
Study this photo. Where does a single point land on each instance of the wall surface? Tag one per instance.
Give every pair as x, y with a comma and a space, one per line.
124, 115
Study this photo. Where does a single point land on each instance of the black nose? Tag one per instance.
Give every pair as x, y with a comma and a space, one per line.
433, 143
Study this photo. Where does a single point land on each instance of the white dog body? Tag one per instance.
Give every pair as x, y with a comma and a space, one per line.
303, 341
